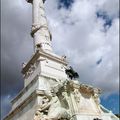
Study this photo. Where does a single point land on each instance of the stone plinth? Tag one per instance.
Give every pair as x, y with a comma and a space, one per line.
44, 64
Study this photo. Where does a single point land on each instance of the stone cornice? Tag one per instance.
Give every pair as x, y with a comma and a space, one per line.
43, 54
83, 88
23, 104
23, 91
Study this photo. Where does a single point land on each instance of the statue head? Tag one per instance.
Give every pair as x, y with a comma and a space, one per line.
53, 94
50, 94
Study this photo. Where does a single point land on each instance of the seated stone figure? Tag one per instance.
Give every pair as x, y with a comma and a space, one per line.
55, 110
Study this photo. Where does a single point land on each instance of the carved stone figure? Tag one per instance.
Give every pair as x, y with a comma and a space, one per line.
54, 108
71, 73
38, 115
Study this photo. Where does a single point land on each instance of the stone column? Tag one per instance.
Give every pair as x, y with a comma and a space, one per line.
40, 32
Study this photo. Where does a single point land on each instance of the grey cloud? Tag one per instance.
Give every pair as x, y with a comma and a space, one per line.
16, 47
5, 105
16, 44
111, 8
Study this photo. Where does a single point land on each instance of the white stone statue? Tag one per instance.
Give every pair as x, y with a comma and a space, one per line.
53, 107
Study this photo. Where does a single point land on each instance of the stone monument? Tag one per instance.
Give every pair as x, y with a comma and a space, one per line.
49, 92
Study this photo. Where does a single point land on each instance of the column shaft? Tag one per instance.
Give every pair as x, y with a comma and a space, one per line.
40, 31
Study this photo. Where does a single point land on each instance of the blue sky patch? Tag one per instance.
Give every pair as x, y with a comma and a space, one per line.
65, 4
111, 103
105, 17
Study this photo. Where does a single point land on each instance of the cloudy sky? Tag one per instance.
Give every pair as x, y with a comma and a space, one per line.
86, 31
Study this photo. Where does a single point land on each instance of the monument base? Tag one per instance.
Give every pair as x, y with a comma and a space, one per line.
45, 98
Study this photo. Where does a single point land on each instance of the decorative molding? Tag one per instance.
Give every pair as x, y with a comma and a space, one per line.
23, 104
22, 92
45, 55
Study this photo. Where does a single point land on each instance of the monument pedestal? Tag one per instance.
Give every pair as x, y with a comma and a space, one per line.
45, 64
40, 74
49, 94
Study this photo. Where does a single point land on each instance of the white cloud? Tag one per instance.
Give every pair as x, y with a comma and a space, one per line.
80, 35
111, 7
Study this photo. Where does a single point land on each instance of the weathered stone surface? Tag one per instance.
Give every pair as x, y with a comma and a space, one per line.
40, 32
